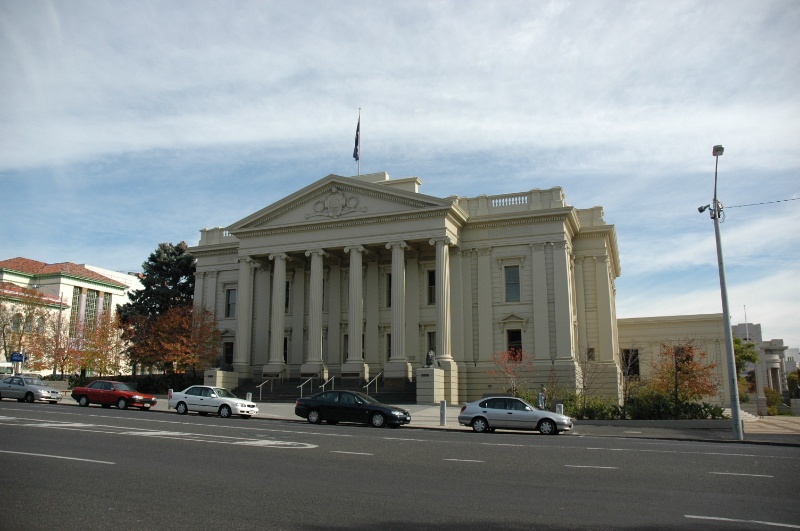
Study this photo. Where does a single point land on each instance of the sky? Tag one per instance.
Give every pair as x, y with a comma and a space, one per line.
129, 123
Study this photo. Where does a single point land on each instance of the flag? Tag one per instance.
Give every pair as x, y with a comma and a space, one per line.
357, 149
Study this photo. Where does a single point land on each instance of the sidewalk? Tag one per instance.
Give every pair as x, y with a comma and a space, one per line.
778, 430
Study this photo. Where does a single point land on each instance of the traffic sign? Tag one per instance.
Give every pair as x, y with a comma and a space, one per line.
16, 356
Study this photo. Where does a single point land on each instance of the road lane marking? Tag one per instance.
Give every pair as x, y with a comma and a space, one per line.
720, 519
350, 453
466, 460
737, 474
59, 457
592, 466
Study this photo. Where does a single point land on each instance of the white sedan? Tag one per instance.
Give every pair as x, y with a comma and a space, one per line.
205, 399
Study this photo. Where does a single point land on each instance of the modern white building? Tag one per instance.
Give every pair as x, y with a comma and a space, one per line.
361, 276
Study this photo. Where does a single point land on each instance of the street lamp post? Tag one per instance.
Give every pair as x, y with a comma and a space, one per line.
733, 380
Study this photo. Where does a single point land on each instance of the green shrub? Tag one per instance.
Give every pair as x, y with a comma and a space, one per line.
773, 400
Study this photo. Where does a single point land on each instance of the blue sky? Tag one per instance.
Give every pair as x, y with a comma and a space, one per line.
124, 124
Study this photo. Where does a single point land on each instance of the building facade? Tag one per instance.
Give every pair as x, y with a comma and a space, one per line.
80, 292
364, 276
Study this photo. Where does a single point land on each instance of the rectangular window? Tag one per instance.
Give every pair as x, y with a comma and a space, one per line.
286, 296
230, 303
285, 349
388, 290
514, 339
91, 309
630, 362
74, 319
512, 283
388, 347
345, 347
227, 352
432, 341
590, 353
432, 287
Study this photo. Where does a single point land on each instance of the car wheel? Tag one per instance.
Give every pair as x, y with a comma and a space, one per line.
480, 425
83, 401
377, 420
181, 408
314, 417
547, 427
122, 403
224, 411
29, 398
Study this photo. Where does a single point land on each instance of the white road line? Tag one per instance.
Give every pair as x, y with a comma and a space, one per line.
59, 457
401, 439
351, 453
592, 466
631, 432
737, 474
466, 460
720, 519
609, 449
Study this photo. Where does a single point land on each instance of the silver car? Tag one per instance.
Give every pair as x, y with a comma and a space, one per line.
28, 389
510, 413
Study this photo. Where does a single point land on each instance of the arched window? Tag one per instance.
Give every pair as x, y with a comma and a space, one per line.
16, 322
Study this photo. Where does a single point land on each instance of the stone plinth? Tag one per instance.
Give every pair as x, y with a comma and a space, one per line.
430, 386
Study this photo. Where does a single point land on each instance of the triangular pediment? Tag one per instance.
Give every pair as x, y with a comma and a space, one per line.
336, 198
512, 318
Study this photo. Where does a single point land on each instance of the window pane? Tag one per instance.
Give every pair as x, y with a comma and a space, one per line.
512, 284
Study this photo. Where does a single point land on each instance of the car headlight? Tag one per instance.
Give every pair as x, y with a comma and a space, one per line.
399, 413
137, 397
241, 404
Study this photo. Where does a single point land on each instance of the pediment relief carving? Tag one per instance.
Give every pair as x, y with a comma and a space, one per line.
336, 204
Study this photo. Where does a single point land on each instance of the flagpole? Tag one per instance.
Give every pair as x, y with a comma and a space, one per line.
359, 140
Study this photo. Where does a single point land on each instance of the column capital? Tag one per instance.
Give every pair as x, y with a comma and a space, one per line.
401, 244
282, 256
320, 252
442, 239
356, 249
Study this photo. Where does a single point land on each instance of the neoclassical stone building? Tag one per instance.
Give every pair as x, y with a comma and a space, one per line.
361, 276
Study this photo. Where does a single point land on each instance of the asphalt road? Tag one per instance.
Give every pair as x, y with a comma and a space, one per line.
92, 468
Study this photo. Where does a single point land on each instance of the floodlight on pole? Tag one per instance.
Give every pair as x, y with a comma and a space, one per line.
733, 376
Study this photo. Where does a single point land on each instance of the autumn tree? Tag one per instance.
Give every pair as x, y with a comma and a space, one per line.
513, 368
103, 347
743, 354
681, 370
23, 314
185, 338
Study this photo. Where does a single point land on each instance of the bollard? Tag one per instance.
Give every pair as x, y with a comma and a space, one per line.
249, 397
560, 409
169, 394
443, 413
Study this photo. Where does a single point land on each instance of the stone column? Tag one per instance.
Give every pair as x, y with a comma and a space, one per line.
563, 298
354, 365
82, 312
444, 356
276, 365
398, 366
485, 327
244, 316
583, 339
313, 363
541, 313
199, 289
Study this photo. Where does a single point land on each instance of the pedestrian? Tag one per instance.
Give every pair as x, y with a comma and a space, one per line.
541, 399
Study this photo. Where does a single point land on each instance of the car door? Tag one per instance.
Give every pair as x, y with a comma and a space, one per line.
192, 398
328, 405
209, 401
350, 408
521, 416
94, 391
15, 388
495, 411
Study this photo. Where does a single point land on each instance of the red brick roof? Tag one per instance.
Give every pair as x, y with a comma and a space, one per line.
12, 291
34, 267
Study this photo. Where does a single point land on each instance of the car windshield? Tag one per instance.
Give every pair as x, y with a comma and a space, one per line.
123, 387
34, 381
224, 393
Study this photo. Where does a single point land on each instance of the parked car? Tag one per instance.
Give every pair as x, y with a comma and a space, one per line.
205, 399
28, 389
349, 406
109, 393
510, 413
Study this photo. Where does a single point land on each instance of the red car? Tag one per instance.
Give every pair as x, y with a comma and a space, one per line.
108, 393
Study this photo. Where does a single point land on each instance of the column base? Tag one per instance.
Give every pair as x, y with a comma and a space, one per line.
314, 368
275, 370
352, 369
450, 379
397, 369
